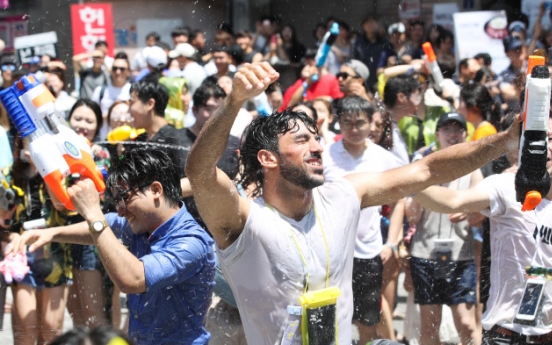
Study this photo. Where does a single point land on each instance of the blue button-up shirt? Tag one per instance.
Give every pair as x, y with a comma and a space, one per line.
179, 265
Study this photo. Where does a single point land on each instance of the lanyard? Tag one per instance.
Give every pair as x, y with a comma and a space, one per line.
300, 252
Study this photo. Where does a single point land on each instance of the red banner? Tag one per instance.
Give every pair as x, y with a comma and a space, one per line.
90, 23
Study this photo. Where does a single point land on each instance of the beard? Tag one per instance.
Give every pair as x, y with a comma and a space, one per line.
298, 176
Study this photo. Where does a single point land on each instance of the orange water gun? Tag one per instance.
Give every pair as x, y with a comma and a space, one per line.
56, 150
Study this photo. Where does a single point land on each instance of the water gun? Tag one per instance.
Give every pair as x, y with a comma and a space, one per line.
56, 150
14, 267
325, 47
532, 180
124, 133
432, 66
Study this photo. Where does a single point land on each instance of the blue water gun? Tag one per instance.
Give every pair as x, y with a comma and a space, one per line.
325, 47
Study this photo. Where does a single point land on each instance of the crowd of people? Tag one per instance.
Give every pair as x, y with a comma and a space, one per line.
255, 196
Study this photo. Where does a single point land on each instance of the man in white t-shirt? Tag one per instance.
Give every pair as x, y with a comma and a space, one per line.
190, 70
299, 235
518, 239
119, 90
355, 153
402, 97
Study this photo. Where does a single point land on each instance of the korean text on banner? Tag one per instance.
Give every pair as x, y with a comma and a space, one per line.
90, 23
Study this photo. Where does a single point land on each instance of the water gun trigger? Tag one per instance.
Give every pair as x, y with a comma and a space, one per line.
532, 200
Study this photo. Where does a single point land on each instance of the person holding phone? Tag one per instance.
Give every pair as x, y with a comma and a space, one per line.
518, 239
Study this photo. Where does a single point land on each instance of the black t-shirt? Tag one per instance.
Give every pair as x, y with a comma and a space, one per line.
227, 163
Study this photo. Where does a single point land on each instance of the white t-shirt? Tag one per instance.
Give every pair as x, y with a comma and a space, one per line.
265, 271
399, 149
338, 163
110, 96
512, 248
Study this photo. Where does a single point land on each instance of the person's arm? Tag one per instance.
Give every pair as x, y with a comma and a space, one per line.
77, 61
416, 66
219, 204
442, 166
444, 200
395, 227
75, 233
186, 188
125, 269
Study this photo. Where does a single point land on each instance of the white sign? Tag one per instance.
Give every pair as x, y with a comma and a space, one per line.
481, 32
442, 15
410, 9
35, 45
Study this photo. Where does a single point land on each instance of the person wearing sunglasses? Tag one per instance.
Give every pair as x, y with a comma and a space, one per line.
168, 269
8, 64
352, 77
118, 90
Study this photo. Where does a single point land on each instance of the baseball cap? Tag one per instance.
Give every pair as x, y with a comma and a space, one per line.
517, 26
155, 57
35, 60
8, 60
512, 43
396, 27
451, 117
359, 68
182, 49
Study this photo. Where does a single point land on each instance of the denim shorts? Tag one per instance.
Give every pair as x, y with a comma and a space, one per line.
458, 287
367, 280
84, 257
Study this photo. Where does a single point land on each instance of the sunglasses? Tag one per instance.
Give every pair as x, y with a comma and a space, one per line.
8, 68
115, 69
345, 75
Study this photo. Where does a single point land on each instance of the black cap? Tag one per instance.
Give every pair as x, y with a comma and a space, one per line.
512, 43
451, 117
8, 60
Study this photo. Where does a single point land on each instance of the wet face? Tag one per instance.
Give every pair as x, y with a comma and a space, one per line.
222, 60
376, 127
136, 207
120, 72
54, 83
323, 113
225, 82
300, 158
202, 113
83, 121
140, 111
347, 77
417, 33
355, 128
180, 39
120, 116
450, 134
244, 42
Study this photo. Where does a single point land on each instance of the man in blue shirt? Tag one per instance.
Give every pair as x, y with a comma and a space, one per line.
169, 268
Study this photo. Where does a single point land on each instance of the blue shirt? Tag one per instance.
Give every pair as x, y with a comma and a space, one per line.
179, 265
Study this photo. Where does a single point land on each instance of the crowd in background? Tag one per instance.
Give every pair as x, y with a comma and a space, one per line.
376, 73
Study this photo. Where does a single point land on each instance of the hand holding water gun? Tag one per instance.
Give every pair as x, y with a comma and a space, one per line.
432, 66
124, 133
14, 267
325, 47
532, 179
56, 150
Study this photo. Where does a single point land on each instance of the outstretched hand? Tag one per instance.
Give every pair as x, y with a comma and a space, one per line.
37, 238
252, 79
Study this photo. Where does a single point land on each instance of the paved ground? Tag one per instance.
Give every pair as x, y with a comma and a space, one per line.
6, 335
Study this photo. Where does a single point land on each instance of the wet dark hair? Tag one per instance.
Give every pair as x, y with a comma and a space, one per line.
487, 59
310, 105
355, 105
154, 35
147, 89
122, 56
60, 74
100, 335
263, 134
84, 102
140, 167
206, 90
477, 95
400, 84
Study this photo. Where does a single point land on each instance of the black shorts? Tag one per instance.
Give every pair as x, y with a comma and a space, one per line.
458, 288
367, 280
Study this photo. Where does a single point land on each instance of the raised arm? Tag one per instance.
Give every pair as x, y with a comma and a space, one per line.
442, 166
218, 202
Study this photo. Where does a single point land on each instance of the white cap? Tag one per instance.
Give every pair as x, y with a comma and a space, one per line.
398, 27
182, 49
155, 56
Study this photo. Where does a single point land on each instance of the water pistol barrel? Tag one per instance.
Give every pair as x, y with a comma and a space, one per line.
325, 47
532, 179
432, 65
